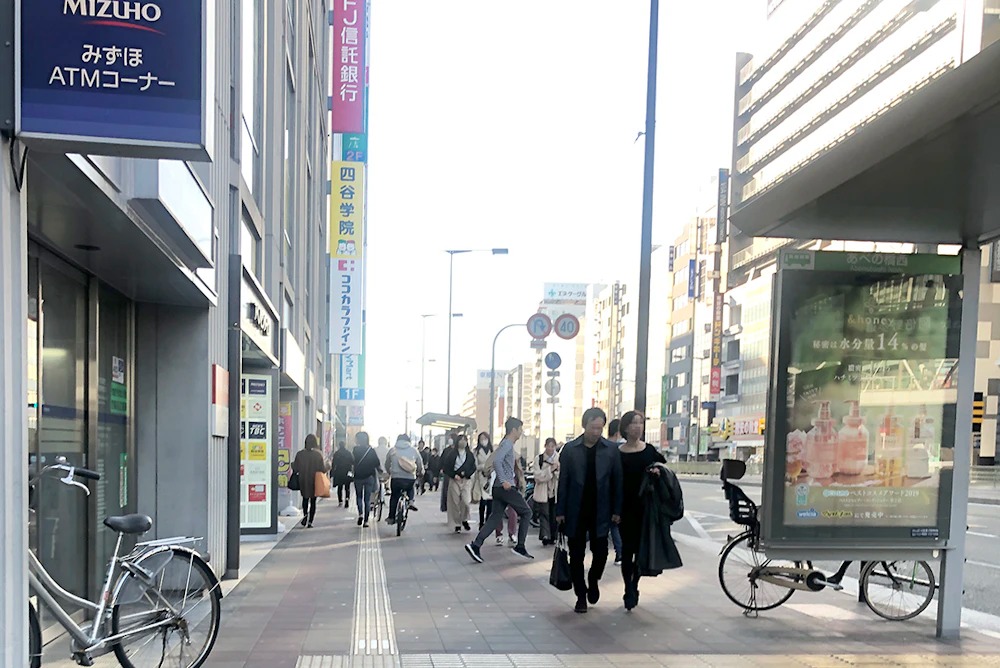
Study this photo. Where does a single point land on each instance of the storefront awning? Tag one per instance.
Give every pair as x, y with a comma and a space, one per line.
921, 171
442, 421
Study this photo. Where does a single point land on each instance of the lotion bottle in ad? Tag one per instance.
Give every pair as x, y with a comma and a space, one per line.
852, 444
918, 460
889, 452
821, 444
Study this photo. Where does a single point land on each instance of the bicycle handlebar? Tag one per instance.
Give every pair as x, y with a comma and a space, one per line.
86, 473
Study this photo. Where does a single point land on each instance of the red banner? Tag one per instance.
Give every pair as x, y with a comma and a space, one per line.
349, 67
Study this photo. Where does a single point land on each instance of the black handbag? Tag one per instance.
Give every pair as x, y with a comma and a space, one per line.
559, 576
293, 482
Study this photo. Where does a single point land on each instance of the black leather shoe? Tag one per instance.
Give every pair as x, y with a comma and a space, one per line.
581, 606
593, 592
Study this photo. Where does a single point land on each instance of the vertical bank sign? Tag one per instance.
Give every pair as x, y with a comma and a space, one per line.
350, 71
114, 77
347, 235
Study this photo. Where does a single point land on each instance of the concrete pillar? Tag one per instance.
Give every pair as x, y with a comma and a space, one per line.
13, 418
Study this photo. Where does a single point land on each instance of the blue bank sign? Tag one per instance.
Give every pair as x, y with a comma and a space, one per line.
114, 77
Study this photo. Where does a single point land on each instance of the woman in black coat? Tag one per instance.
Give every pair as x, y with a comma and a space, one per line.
342, 465
307, 464
637, 456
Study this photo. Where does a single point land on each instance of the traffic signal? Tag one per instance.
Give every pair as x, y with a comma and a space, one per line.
760, 426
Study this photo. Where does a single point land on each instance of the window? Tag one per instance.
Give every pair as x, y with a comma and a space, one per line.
680, 276
680, 302
286, 312
290, 177
249, 76
679, 354
681, 327
250, 245
682, 379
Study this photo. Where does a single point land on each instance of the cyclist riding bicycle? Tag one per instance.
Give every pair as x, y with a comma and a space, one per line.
404, 466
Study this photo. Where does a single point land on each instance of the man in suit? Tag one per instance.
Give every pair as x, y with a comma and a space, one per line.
589, 501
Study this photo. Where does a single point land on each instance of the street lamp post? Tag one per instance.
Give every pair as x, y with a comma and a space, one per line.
493, 370
424, 360
646, 239
451, 289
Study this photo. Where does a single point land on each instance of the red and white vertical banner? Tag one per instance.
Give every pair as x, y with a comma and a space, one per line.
349, 66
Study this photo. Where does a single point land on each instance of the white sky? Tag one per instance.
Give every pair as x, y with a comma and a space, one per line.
512, 124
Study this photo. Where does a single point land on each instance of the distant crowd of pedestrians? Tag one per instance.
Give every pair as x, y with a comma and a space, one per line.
580, 496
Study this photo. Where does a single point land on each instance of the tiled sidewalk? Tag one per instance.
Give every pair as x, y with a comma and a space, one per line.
308, 604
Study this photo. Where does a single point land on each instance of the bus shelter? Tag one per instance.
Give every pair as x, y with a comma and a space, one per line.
924, 171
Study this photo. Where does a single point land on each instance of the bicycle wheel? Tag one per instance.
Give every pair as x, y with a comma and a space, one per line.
171, 618
738, 567
898, 590
400, 516
34, 639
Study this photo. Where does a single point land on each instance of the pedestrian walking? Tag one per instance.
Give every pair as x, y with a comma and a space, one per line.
459, 465
588, 502
546, 485
307, 463
342, 468
505, 494
637, 457
403, 464
425, 456
434, 467
452, 439
482, 495
367, 466
615, 436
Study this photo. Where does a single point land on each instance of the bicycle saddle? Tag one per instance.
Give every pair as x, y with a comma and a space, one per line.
130, 524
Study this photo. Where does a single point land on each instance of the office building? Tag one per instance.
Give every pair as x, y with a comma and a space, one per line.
824, 72
173, 328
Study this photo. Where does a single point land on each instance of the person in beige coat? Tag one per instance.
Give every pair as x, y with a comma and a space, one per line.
481, 492
546, 484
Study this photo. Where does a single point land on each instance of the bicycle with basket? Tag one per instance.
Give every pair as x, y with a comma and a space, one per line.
895, 590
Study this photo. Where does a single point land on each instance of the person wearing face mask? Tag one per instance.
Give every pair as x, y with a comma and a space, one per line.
546, 484
481, 489
459, 465
637, 458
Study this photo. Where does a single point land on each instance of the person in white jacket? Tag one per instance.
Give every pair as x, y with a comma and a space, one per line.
404, 466
546, 484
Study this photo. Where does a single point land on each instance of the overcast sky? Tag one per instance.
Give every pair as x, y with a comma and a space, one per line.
513, 124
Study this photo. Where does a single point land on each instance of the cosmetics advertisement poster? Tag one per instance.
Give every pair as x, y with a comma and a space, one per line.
872, 383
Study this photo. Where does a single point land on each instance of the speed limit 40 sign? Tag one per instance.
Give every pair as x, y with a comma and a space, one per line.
567, 326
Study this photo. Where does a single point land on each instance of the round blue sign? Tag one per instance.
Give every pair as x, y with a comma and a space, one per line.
552, 361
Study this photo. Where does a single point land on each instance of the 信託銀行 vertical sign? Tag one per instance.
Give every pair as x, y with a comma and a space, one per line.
349, 66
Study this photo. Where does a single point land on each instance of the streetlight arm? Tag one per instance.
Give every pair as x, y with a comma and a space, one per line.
493, 371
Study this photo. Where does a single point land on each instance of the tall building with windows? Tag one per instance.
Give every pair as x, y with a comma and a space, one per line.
823, 72
174, 320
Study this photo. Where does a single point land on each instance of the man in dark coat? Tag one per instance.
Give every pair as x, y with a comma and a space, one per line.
589, 501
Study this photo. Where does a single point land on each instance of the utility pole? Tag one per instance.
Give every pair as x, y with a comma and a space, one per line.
646, 243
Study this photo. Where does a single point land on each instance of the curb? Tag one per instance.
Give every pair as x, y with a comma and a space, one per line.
707, 479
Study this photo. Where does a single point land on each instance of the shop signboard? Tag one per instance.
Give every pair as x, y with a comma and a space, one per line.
257, 465
866, 351
350, 71
347, 237
285, 440
351, 387
115, 78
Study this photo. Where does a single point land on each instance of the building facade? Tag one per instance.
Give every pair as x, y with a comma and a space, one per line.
172, 330
824, 71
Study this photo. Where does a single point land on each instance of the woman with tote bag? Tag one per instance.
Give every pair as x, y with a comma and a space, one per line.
307, 464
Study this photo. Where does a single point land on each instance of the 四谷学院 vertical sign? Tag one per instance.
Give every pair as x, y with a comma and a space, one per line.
347, 215
349, 66
114, 77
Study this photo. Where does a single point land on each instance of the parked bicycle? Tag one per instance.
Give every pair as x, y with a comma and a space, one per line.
159, 606
894, 590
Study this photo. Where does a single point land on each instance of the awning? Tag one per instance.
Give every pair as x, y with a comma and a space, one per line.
442, 421
923, 171
721, 445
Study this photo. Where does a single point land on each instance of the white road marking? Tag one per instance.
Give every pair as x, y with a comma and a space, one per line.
972, 562
698, 528
981, 535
